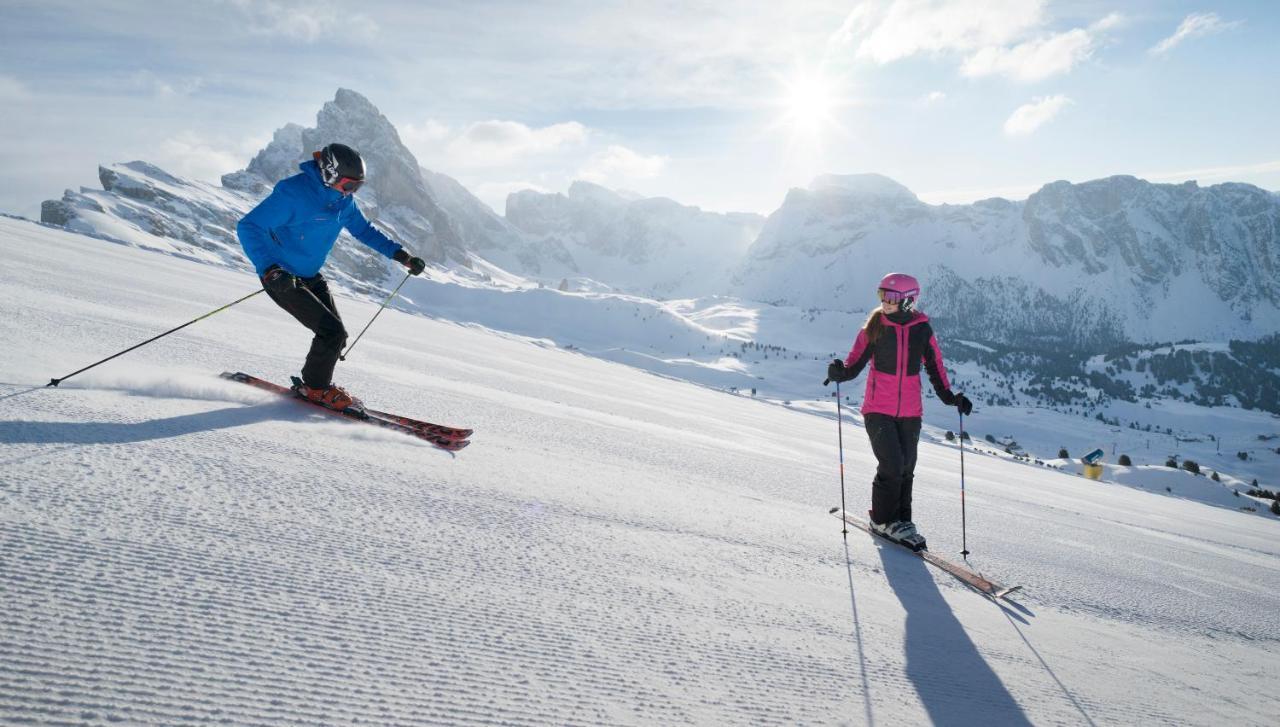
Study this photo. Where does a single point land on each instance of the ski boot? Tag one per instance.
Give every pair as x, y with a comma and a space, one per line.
902, 532
882, 529
333, 397
905, 532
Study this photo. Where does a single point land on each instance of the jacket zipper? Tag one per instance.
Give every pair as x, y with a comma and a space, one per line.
898, 368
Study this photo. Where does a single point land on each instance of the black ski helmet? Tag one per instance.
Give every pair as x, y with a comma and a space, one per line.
341, 167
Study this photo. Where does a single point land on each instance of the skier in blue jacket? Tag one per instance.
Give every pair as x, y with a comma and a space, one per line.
288, 237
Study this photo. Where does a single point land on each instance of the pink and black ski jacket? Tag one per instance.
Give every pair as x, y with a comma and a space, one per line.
893, 382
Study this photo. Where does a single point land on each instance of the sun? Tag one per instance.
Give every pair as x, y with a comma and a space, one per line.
809, 103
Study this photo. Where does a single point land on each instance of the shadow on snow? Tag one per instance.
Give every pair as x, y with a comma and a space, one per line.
955, 684
90, 432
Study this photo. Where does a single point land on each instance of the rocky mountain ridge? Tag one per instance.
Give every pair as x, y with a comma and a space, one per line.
1086, 266
1090, 265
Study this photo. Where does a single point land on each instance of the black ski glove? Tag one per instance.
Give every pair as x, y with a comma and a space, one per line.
415, 264
963, 404
836, 372
278, 280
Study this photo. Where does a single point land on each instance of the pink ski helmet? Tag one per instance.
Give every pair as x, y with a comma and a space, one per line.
899, 288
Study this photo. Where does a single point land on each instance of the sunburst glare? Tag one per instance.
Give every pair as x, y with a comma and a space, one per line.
809, 102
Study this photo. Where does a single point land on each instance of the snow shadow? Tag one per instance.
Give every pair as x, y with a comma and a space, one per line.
29, 432
12, 394
955, 684
857, 636
1071, 697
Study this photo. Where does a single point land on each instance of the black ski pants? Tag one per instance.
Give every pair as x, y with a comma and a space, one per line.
894, 441
312, 304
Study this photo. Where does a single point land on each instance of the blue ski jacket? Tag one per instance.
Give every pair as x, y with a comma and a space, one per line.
296, 225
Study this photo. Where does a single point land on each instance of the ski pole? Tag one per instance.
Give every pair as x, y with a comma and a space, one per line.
840, 439
55, 382
343, 356
964, 543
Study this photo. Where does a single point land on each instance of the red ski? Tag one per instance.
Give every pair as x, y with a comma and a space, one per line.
422, 430
428, 427
978, 582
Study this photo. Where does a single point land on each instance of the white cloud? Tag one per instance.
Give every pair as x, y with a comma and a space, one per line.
11, 89
855, 23
190, 155
1110, 22
618, 163
1029, 117
1195, 25
1039, 58
427, 133
908, 27
162, 87
993, 38
307, 22
1033, 60
934, 97
490, 154
497, 142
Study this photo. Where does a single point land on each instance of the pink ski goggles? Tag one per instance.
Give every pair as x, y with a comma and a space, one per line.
893, 296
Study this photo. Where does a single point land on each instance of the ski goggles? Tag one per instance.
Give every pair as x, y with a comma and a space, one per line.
892, 296
347, 185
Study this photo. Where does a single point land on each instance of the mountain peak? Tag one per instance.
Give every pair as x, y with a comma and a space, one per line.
583, 191
396, 195
348, 99
862, 185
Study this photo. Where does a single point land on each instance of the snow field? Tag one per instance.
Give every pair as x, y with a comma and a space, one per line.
614, 548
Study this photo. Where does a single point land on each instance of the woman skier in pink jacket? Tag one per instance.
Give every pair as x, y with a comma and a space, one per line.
895, 340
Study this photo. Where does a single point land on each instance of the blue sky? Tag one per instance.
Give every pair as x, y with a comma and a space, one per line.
723, 105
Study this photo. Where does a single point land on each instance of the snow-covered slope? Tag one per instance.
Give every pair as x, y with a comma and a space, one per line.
615, 547
1088, 265
654, 247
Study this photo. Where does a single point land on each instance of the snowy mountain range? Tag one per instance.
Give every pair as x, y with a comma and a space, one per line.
1089, 265
650, 246
1036, 286
654, 246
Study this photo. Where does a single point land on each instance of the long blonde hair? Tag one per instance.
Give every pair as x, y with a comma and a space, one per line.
874, 325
